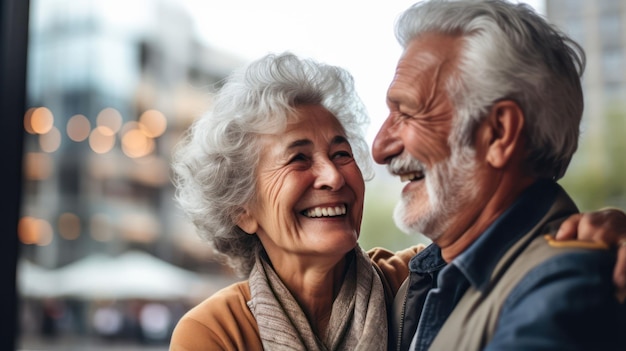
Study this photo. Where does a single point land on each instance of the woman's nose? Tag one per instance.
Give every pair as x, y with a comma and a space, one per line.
387, 144
328, 176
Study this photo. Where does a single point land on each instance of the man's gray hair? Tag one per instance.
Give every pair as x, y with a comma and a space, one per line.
214, 164
509, 52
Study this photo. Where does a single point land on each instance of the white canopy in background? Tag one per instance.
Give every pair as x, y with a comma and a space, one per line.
34, 280
132, 275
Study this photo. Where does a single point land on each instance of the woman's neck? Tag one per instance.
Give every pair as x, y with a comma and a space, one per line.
314, 288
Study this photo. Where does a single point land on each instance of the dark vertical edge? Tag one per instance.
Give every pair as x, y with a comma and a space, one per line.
14, 16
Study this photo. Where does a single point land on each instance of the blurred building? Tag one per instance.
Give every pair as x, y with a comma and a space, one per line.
600, 28
111, 86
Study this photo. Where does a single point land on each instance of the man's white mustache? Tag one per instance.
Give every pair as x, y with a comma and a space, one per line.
405, 163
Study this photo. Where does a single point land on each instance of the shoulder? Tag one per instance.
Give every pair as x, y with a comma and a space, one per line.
231, 298
559, 267
382, 256
577, 263
569, 269
569, 285
221, 322
394, 265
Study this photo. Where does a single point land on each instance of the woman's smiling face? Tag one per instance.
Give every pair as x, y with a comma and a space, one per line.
310, 191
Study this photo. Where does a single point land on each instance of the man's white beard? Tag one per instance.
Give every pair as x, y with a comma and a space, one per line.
451, 186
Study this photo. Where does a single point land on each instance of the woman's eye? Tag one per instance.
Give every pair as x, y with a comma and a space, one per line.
298, 158
342, 154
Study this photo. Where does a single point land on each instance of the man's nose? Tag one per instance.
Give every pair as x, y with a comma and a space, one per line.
328, 176
387, 144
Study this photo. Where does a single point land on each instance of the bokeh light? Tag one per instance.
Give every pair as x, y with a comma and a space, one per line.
45, 232
78, 128
33, 230
153, 123
101, 140
27, 231
27, 120
111, 119
69, 226
50, 141
41, 120
136, 144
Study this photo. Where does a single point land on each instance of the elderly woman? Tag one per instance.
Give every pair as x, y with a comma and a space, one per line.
273, 178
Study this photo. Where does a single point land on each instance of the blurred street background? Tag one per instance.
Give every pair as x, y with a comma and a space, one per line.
107, 261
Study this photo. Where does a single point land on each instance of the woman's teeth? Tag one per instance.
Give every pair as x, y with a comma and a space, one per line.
325, 211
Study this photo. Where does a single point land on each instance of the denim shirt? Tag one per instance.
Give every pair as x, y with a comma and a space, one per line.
574, 285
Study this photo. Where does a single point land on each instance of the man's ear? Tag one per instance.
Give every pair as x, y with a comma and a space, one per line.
504, 133
247, 222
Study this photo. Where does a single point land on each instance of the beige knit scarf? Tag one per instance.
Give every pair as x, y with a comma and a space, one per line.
358, 318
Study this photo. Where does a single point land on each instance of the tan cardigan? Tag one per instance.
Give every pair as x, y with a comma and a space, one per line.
224, 322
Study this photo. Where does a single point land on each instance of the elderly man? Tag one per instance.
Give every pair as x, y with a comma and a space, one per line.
485, 108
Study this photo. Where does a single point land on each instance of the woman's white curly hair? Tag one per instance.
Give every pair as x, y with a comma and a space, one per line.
214, 164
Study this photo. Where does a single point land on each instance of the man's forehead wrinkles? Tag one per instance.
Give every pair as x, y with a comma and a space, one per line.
418, 64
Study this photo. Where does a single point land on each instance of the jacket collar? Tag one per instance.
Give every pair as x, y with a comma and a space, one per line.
479, 260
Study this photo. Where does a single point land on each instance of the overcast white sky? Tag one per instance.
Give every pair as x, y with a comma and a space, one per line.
355, 34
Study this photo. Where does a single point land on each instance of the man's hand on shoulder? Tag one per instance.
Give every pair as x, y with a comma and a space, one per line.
606, 225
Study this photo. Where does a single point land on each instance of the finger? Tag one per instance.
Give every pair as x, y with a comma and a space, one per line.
598, 226
619, 273
568, 228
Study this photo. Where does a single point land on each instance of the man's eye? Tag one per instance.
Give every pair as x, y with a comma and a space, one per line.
405, 116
